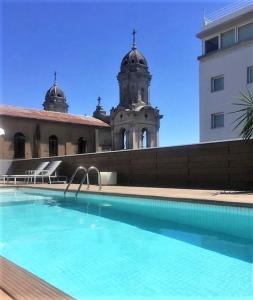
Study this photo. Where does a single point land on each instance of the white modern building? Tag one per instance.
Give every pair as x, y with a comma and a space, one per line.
225, 70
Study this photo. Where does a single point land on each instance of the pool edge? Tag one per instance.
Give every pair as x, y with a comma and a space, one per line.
233, 203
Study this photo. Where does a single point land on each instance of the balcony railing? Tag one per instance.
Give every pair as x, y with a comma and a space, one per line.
225, 11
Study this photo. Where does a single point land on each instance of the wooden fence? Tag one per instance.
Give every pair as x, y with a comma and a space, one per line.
222, 165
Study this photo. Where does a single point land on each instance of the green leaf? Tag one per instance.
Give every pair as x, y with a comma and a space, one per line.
246, 117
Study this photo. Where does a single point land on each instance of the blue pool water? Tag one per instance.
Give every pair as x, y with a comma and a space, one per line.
104, 247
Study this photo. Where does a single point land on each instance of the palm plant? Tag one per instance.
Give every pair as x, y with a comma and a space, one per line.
246, 114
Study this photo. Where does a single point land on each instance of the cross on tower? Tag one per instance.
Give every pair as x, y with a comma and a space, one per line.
55, 82
134, 44
99, 101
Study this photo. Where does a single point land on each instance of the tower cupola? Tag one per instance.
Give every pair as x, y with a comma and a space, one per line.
134, 58
134, 78
100, 113
55, 99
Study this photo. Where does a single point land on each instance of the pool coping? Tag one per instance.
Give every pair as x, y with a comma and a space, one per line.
16, 282
177, 198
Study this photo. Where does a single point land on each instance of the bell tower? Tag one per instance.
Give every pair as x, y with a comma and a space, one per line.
135, 123
134, 78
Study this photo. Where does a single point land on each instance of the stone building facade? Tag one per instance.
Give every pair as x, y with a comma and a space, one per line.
133, 124
33, 133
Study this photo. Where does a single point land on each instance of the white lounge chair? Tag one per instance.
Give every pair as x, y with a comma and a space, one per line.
50, 172
39, 171
29, 174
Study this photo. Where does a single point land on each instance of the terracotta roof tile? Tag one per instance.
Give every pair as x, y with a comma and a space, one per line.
20, 112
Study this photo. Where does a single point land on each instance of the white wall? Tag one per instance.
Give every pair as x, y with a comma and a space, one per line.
232, 63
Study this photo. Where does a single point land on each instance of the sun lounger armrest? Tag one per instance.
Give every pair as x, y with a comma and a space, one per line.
34, 172
44, 173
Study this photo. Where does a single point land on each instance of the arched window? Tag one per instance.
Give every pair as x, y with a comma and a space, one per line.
144, 138
19, 145
123, 134
53, 145
82, 145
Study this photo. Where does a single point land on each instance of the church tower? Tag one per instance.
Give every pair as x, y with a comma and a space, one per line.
134, 79
55, 99
135, 123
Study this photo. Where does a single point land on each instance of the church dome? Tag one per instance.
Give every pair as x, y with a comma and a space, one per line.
54, 91
55, 99
134, 57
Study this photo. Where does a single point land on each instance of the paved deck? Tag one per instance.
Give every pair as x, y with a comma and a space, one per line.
19, 284
232, 197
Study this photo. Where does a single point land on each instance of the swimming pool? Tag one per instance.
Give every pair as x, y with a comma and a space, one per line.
109, 247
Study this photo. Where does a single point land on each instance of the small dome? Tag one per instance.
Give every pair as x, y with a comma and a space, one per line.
134, 57
54, 91
55, 99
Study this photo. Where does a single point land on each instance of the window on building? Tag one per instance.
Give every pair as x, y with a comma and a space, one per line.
250, 74
212, 44
53, 145
228, 38
144, 138
217, 83
19, 145
245, 32
82, 145
123, 134
217, 120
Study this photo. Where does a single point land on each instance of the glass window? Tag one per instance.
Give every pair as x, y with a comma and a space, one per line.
250, 74
245, 32
19, 145
228, 38
211, 44
217, 120
217, 83
53, 145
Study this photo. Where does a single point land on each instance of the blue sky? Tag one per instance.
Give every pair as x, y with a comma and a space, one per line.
85, 42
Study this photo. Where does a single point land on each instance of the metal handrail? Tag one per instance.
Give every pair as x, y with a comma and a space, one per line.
99, 177
86, 175
73, 176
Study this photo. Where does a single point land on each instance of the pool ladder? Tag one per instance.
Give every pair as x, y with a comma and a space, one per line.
85, 176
